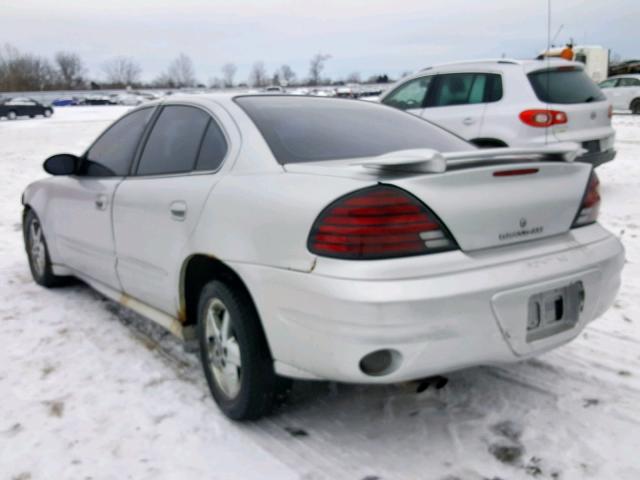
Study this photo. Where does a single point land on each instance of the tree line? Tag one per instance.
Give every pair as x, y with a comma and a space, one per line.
20, 71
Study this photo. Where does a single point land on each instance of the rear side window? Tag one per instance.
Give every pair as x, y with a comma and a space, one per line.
410, 95
213, 149
465, 89
565, 85
174, 142
112, 153
310, 129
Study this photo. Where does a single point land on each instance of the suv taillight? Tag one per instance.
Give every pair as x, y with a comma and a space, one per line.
543, 118
378, 222
590, 206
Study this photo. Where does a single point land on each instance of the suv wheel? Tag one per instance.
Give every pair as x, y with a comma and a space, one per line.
234, 353
36, 246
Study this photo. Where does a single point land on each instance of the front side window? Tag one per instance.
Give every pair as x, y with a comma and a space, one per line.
609, 83
112, 154
629, 82
311, 129
410, 95
174, 142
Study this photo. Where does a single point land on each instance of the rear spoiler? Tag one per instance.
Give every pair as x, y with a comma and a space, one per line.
432, 161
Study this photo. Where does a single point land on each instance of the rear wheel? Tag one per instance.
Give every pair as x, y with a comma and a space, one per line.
234, 353
635, 107
38, 254
12, 115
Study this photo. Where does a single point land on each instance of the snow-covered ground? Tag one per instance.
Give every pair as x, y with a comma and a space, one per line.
90, 390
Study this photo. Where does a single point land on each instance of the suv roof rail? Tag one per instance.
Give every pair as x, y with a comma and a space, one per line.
507, 61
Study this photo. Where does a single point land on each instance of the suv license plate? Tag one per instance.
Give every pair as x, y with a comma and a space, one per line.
554, 311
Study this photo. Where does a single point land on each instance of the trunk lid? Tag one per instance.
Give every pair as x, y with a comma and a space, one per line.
483, 202
482, 210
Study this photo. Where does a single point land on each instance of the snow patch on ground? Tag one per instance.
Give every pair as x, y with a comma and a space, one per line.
91, 390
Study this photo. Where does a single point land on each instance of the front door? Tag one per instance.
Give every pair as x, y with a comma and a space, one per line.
84, 230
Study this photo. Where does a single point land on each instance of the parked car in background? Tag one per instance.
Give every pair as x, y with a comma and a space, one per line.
67, 101
325, 238
100, 100
499, 103
623, 91
13, 108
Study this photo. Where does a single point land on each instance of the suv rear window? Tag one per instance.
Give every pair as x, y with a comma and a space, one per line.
565, 85
310, 129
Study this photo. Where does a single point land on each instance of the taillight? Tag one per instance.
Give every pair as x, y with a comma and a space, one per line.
543, 118
378, 222
590, 206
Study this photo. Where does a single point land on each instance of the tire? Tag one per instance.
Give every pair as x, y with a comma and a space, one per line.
47, 113
635, 107
234, 353
12, 115
38, 253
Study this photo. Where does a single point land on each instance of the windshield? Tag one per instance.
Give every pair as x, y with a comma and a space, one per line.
310, 129
565, 85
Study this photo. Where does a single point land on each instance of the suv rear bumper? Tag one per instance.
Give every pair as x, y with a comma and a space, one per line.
598, 158
321, 326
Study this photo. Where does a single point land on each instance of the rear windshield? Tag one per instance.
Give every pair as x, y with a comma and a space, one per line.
310, 129
565, 85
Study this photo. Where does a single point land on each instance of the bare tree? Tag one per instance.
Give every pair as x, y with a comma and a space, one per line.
287, 74
316, 66
258, 75
20, 72
181, 71
228, 72
216, 82
70, 69
354, 77
122, 71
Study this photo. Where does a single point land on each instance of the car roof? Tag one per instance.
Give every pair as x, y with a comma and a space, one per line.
528, 65
624, 75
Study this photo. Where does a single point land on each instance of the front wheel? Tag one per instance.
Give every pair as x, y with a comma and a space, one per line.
38, 254
48, 113
635, 107
234, 353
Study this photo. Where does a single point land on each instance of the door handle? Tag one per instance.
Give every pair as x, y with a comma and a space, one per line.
101, 202
178, 210
469, 121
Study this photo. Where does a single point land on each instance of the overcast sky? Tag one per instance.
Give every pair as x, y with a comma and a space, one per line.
366, 36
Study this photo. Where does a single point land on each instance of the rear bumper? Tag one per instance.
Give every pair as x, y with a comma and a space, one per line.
320, 326
598, 158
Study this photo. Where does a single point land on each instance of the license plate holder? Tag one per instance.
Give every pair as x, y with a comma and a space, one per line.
554, 311
591, 146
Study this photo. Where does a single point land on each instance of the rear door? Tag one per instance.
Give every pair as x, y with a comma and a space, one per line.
456, 101
84, 233
156, 210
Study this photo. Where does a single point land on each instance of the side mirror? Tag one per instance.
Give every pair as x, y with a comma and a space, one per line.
61, 164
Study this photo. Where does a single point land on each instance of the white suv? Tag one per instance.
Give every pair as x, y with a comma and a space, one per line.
514, 103
623, 91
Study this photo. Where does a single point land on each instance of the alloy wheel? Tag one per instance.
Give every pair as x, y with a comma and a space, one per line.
223, 348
